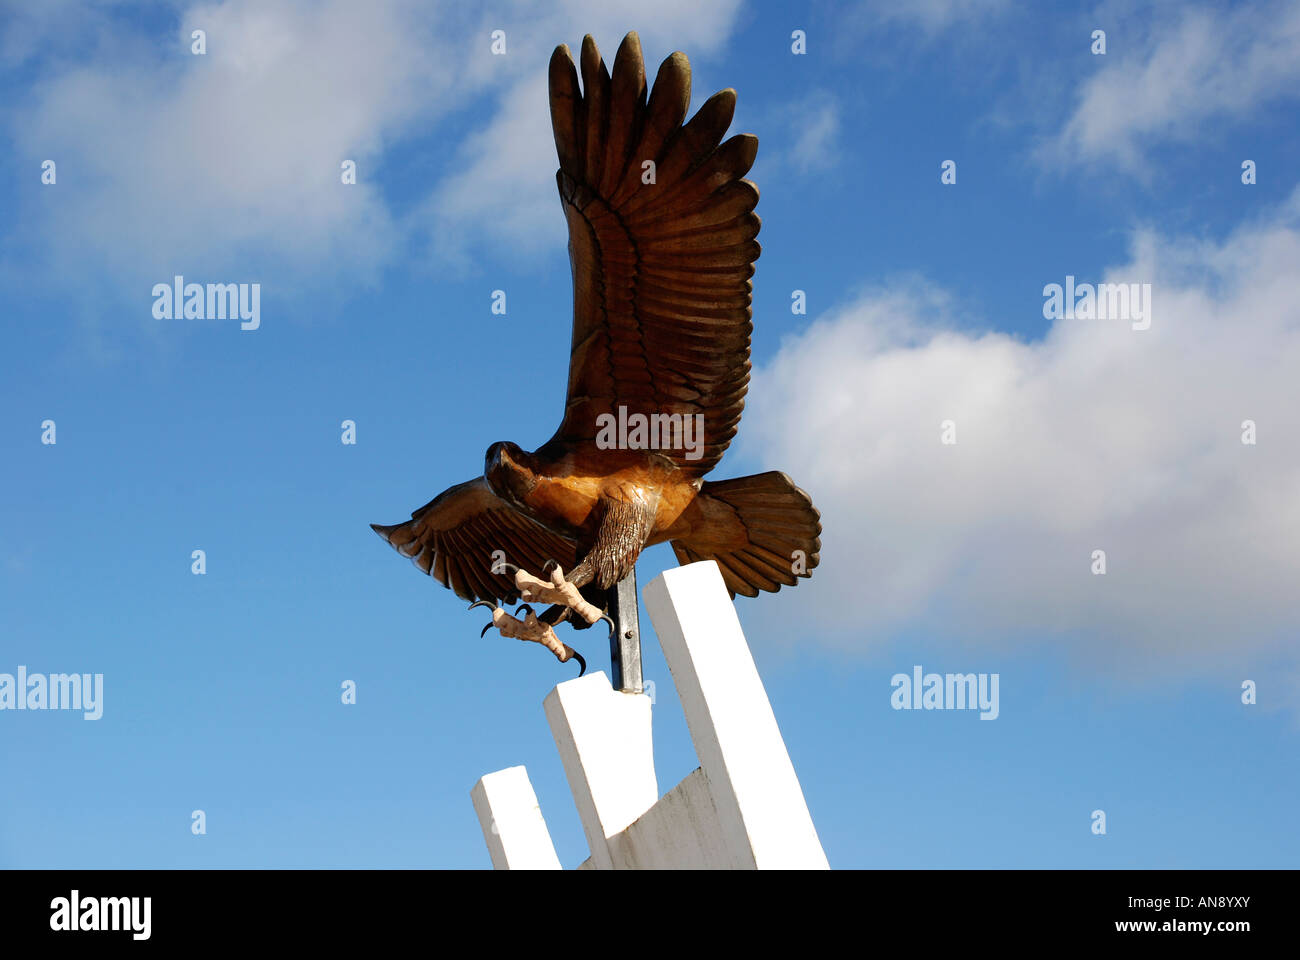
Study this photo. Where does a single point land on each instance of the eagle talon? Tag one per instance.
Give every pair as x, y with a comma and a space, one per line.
612, 628
491, 623
529, 628
554, 588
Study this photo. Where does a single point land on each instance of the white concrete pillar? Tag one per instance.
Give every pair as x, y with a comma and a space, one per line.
605, 745
759, 804
512, 823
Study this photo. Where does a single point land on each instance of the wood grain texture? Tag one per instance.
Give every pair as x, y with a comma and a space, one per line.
661, 270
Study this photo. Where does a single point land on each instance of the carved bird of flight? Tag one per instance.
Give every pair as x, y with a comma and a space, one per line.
661, 242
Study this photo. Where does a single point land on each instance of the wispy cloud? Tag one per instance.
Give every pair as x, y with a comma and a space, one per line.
502, 190
811, 132
171, 161
931, 16
1169, 71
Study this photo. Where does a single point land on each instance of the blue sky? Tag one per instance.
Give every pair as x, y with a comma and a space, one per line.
222, 691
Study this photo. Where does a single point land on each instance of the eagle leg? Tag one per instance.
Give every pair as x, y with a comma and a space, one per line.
561, 592
531, 629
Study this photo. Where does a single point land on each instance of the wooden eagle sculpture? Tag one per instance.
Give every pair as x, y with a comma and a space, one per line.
661, 242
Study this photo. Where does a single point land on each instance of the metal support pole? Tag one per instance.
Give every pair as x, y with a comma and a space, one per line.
625, 644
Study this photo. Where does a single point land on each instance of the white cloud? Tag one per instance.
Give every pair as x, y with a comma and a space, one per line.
1095, 437
1162, 81
169, 161
503, 190
173, 161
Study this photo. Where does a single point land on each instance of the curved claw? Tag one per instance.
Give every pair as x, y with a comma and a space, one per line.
490, 606
612, 628
548, 566
523, 606
581, 662
508, 569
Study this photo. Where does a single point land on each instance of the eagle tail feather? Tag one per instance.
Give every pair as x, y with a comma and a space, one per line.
777, 536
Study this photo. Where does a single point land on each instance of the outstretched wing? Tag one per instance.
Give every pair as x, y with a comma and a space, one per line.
661, 240
453, 537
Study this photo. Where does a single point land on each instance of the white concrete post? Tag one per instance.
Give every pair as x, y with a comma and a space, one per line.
604, 741
742, 809
756, 795
512, 823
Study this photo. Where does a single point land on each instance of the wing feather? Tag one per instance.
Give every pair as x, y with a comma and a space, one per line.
627, 99
661, 270
453, 537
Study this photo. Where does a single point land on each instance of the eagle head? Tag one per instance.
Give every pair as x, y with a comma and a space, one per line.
506, 470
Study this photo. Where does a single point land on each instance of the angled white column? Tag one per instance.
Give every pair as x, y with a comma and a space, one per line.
605, 745
680, 832
759, 805
743, 808
512, 823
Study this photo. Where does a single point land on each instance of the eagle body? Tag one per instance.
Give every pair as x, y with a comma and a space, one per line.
662, 245
635, 497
